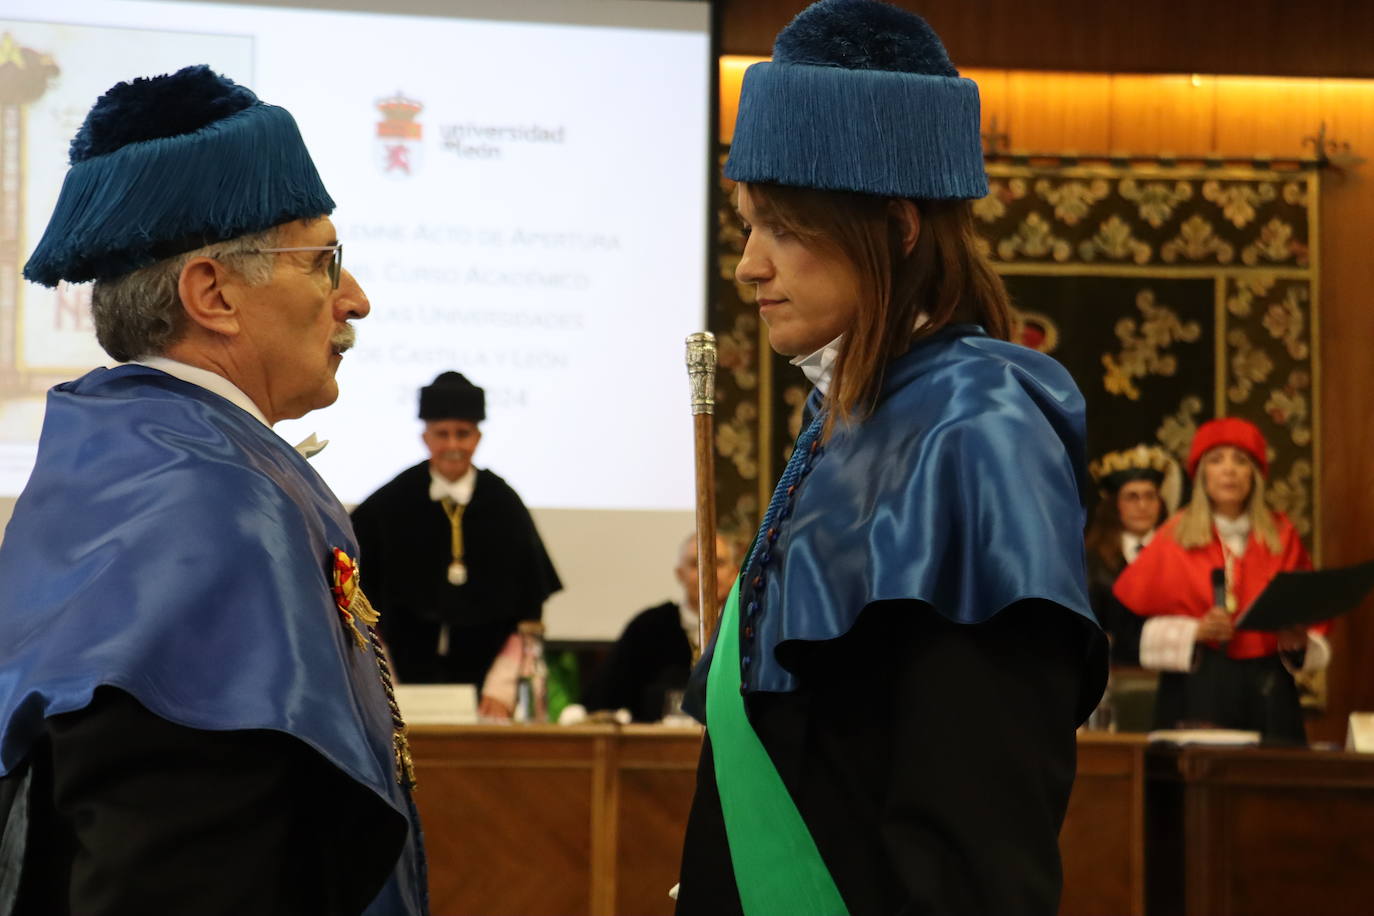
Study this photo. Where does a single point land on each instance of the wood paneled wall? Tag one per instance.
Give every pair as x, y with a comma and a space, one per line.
1055, 112
1279, 37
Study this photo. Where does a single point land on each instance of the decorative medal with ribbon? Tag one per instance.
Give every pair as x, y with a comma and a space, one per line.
457, 573
353, 607
349, 598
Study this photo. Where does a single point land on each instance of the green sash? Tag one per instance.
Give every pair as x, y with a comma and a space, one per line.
778, 870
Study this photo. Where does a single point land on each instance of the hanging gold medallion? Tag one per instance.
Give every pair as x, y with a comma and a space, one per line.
457, 570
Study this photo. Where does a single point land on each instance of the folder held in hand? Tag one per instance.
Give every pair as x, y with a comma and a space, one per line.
1304, 598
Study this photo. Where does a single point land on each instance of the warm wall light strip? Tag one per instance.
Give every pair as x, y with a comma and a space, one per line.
732, 67
1262, 94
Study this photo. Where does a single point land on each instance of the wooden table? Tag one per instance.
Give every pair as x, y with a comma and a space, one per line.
551, 821
1259, 831
1102, 841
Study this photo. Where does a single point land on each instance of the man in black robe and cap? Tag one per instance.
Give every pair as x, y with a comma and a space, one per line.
448, 552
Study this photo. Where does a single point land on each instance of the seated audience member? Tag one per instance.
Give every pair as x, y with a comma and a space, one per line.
1214, 674
654, 653
1138, 488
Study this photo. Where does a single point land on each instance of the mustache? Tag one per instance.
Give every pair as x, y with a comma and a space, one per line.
344, 338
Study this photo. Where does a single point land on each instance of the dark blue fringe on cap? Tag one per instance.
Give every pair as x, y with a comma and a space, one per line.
168, 164
860, 96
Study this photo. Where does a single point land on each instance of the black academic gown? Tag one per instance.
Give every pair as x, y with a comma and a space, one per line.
127, 814
932, 762
651, 657
1122, 626
405, 547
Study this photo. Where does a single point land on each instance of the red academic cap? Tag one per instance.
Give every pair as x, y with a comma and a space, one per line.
1243, 434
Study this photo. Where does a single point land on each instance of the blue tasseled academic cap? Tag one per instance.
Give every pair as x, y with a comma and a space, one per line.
168, 164
860, 96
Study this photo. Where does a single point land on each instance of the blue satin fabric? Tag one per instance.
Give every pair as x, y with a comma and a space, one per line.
962, 491
170, 545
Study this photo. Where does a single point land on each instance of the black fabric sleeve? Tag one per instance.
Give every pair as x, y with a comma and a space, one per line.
538, 579
980, 779
168, 819
1122, 625
932, 761
1125, 628
372, 555
611, 688
371, 558
651, 657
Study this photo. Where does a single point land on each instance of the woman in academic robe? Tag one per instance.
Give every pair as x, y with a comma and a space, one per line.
1138, 488
892, 695
1205, 564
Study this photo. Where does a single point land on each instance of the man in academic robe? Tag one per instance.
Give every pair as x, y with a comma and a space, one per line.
653, 655
195, 714
450, 554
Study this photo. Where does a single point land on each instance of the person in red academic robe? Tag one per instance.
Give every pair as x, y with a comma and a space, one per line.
1205, 564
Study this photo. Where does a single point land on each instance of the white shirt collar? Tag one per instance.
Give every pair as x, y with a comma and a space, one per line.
1234, 532
1131, 544
204, 378
460, 490
218, 384
820, 366
690, 622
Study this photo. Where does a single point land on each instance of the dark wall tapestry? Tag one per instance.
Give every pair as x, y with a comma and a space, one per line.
1172, 294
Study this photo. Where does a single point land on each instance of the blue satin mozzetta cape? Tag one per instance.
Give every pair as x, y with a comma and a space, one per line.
172, 546
962, 490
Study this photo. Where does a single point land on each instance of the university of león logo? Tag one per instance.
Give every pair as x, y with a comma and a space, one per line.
399, 150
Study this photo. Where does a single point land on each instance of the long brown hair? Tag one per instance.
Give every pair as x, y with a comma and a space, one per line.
946, 276
1103, 538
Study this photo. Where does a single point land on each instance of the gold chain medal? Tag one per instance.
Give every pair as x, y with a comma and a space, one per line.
354, 607
1230, 574
457, 570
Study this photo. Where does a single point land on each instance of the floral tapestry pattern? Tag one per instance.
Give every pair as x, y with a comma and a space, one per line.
1171, 294
1205, 277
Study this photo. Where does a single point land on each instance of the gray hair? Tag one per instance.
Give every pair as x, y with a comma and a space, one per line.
140, 314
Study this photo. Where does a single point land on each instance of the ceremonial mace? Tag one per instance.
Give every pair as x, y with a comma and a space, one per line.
701, 373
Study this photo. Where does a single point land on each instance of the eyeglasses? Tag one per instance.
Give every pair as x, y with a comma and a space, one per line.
335, 264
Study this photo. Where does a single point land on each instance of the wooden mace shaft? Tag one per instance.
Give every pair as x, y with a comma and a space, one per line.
701, 374
706, 528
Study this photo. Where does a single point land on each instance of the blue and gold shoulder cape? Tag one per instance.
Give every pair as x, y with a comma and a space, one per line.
170, 545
